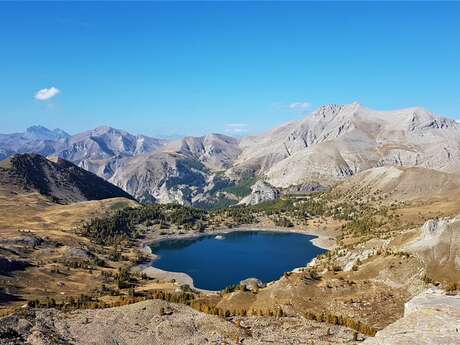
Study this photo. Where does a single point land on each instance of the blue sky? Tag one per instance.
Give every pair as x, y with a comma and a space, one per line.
193, 68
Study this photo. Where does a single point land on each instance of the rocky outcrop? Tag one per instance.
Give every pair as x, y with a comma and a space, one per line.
429, 319
305, 188
438, 246
260, 191
8, 265
252, 284
431, 233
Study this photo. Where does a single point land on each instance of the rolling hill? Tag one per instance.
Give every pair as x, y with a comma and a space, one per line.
55, 178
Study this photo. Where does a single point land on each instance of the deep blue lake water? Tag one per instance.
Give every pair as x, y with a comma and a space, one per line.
215, 264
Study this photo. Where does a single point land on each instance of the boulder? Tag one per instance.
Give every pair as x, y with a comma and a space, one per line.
252, 284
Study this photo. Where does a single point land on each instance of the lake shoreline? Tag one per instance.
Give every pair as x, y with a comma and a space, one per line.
321, 240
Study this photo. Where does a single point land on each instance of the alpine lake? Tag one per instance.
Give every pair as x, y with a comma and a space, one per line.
217, 261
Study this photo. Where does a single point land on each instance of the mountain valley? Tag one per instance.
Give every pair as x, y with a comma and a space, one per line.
380, 189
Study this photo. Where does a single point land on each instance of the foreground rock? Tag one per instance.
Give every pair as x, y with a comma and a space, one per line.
430, 318
159, 322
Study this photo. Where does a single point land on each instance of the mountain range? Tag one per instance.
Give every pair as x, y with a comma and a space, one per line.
333, 143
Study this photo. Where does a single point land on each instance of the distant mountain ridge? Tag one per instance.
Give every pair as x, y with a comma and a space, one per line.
183, 171
43, 133
332, 144
36, 139
99, 150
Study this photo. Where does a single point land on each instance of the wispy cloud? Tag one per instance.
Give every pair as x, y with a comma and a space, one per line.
299, 106
47, 93
237, 128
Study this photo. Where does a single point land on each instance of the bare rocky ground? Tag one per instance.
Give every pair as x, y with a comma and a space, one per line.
430, 318
158, 322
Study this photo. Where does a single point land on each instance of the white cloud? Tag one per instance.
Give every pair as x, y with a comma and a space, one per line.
237, 125
237, 128
299, 105
44, 94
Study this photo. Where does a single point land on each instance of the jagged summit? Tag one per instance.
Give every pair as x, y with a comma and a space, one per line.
337, 141
43, 133
216, 151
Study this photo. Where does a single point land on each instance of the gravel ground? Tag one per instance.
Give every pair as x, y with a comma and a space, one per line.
158, 322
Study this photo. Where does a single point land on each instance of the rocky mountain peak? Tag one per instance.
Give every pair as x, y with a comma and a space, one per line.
101, 130
43, 133
327, 111
336, 115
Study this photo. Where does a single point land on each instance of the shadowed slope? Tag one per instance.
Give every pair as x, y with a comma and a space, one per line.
58, 179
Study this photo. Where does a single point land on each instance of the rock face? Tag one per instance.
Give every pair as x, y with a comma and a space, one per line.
181, 172
7, 265
57, 179
337, 141
306, 188
261, 191
439, 248
162, 177
215, 151
430, 318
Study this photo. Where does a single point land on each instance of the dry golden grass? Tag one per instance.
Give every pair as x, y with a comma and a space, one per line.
32, 211
32, 214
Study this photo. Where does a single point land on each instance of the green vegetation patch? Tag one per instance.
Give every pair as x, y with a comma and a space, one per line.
123, 224
242, 188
